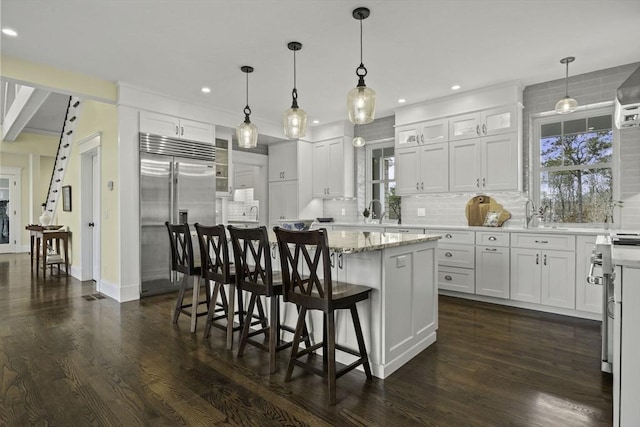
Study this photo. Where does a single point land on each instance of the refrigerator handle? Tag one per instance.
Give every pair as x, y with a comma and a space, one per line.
173, 176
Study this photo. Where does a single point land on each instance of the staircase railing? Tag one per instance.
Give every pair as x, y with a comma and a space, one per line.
62, 156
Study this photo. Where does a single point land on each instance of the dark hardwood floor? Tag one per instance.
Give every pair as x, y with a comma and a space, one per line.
68, 359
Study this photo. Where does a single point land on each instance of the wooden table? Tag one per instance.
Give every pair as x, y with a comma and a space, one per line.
40, 237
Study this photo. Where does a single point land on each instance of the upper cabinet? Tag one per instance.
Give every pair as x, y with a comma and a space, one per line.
333, 168
175, 127
429, 132
423, 169
224, 183
283, 161
492, 121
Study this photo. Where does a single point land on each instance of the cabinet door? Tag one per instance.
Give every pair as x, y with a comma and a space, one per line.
283, 161
499, 120
196, 131
464, 126
434, 168
243, 179
499, 157
407, 170
434, 131
407, 136
588, 296
492, 271
159, 124
558, 279
224, 185
464, 166
290, 199
276, 203
525, 275
320, 169
335, 163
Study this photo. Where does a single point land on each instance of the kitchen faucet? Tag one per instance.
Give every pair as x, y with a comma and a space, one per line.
373, 212
529, 213
256, 210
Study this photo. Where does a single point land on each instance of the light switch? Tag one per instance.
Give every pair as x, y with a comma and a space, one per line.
401, 261
344, 211
422, 212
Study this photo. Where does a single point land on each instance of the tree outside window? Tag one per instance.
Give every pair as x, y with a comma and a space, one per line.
575, 169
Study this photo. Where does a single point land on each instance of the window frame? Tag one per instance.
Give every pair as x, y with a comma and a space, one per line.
535, 169
369, 147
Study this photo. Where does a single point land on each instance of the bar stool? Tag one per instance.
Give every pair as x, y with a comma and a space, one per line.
308, 252
255, 275
217, 268
182, 261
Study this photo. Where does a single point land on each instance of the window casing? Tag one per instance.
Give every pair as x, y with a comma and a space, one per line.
574, 166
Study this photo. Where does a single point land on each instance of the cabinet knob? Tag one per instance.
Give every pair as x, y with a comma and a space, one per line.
447, 277
541, 241
422, 185
491, 249
537, 259
544, 259
448, 254
478, 182
484, 129
448, 236
493, 238
478, 129
176, 129
484, 182
181, 130
422, 138
417, 186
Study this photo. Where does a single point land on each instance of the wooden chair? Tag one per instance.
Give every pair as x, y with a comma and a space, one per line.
182, 261
255, 275
308, 252
218, 268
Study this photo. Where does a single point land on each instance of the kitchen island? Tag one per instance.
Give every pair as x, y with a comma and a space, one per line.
400, 319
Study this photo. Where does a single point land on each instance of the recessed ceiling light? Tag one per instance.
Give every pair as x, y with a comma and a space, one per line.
401, 101
315, 122
455, 87
206, 89
9, 32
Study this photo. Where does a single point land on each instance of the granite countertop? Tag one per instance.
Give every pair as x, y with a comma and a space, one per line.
349, 242
627, 256
514, 229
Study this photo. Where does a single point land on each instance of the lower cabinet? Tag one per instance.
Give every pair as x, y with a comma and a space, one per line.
283, 200
588, 296
492, 271
543, 277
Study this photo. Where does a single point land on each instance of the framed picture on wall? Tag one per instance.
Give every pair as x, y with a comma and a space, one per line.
66, 198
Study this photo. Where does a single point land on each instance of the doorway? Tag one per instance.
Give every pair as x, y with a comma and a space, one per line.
90, 186
10, 188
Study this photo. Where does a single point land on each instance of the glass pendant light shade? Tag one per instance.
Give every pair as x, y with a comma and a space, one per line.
361, 100
358, 141
567, 104
294, 120
247, 132
361, 105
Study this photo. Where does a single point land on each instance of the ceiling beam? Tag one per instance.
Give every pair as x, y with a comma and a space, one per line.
26, 103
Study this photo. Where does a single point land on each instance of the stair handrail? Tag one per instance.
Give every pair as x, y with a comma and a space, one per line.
66, 116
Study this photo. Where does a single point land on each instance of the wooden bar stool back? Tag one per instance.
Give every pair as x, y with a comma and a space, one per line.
255, 275
218, 268
183, 261
306, 274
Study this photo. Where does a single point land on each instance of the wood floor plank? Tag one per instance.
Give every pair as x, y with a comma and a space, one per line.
69, 360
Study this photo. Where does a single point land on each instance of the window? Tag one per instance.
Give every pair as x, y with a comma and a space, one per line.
574, 170
381, 181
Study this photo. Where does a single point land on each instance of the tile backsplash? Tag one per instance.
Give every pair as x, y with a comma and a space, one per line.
243, 211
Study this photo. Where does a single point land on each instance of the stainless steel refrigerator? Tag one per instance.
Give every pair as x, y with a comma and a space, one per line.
177, 184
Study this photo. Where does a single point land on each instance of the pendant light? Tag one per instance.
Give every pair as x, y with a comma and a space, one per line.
294, 119
361, 100
358, 141
247, 132
566, 104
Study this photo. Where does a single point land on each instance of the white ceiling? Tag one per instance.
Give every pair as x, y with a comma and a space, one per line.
413, 49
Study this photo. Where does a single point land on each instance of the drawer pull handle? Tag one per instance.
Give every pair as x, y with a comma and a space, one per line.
448, 236
448, 254
491, 249
542, 241
447, 277
493, 238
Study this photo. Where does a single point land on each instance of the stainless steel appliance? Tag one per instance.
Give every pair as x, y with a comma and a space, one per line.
602, 273
177, 184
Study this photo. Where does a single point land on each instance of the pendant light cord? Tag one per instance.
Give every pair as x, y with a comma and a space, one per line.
247, 110
566, 80
361, 62
361, 71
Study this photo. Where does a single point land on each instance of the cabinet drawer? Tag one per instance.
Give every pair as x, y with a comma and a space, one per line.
485, 238
456, 256
456, 279
543, 241
465, 237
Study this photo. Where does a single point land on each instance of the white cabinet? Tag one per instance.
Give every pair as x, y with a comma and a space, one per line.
429, 132
492, 264
543, 276
175, 127
224, 182
423, 169
243, 179
488, 163
492, 121
456, 261
588, 296
283, 200
333, 168
283, 161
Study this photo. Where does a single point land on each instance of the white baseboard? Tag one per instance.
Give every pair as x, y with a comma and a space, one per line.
119, 293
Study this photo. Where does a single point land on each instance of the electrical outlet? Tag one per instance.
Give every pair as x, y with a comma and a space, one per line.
344, 211
422, 212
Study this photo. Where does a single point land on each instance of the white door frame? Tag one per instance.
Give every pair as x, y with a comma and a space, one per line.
90, 207
15, 210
